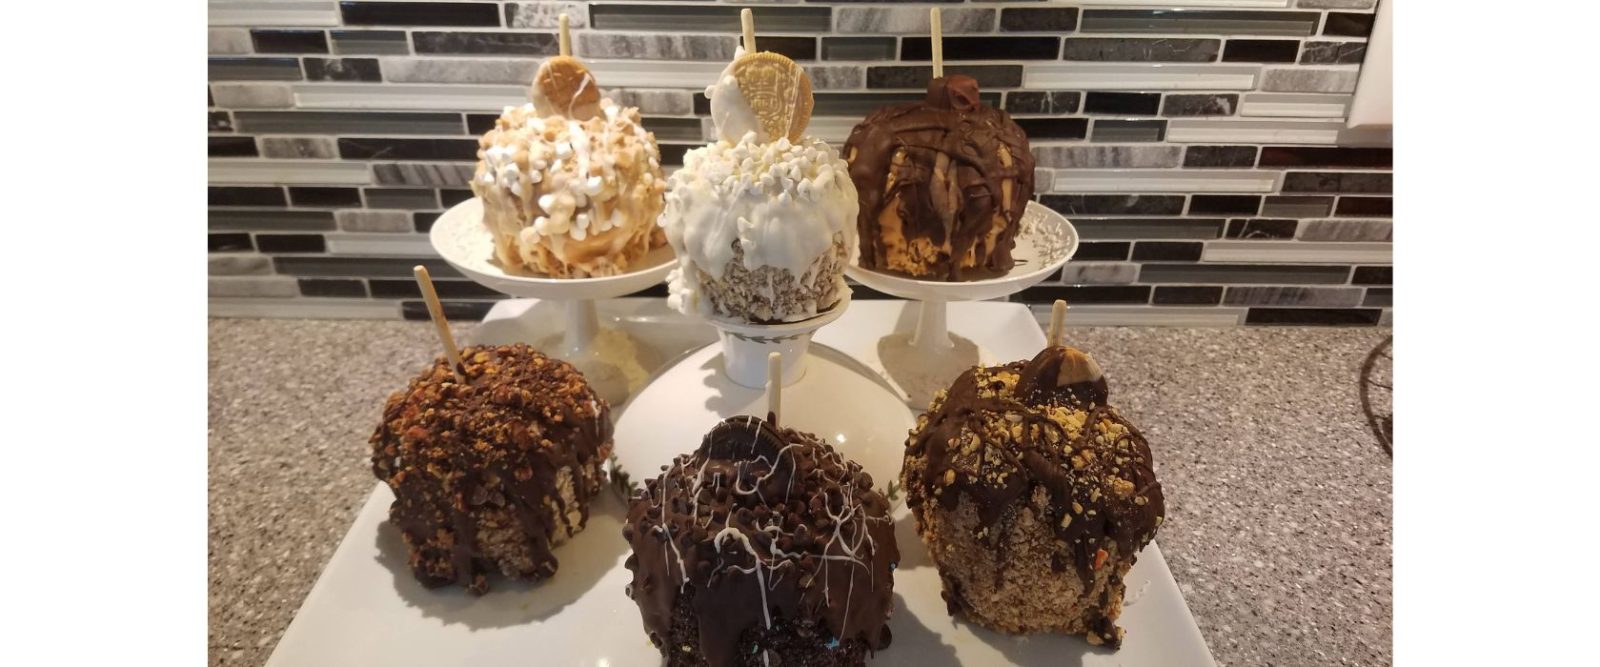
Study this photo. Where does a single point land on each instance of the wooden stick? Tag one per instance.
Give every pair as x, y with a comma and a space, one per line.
775, 386
748, 19
938, 42
566, 37
1058, 319
436, 312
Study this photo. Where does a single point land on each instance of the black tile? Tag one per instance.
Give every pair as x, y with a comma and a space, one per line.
1280, 206
1136, 49
1224, 204
1205, 104
1261, 51
796, 48
342, 69
274, 220
375, 148
1347, 24
325, 197
1261, 228
253, 69
702, 18
371, 42
1314, 316
480, 123
1170, 21
1187, 295
420, 13
519, 43
290, 243
339, 287
1042, 102
422, 221
1333, 53
1039, 19
1317, 156
858, 48
1114, 204
1101, 251
1148, 228
289, 41
1086, 294
218, 121
361, 267
465, 311
1122, 104
1219, 156
1373, 275
1168, 251
231, 146
1010, 47
1259, 274
348, 122
228, 243
1054, 128
672, 154
1381, 207
1121, 131
400, 198
244, 196
450, 196
917, 76
447, 289
1336, 181
673, 129
1378, 297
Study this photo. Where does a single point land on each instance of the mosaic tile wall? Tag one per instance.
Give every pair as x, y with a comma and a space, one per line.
1199, 147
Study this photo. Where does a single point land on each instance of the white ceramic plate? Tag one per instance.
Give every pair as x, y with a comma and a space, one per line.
460, 236
1045, 242
366, 609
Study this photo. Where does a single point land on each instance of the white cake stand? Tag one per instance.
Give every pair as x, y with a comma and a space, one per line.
926, 359
615, 363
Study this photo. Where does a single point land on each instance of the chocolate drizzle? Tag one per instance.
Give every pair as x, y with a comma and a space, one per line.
478, 469
1002, 432
764, 545
947, 228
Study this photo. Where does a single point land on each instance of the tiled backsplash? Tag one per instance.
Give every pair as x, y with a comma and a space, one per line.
1201, 151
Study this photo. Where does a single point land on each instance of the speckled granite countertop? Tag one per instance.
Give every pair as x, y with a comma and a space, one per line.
1279, 503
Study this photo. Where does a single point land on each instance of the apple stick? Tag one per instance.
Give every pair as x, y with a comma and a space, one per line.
1058, 318
774, 386
566, 37
748, 20
436, 312
938, 42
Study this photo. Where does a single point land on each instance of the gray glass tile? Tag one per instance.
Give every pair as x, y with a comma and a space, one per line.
667, 129
1343, 297
1147, 228
1297, 207
1132, 49
253, 69
690, 18
401, 198
858, 48
347, 122
370, 42
1122, 131
384, 267
274, 220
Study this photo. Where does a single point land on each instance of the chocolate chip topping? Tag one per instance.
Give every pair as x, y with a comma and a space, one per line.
950, 122
762, 527
999, 433
497, 444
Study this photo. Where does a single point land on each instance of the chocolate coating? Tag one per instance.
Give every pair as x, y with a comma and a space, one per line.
961, 225
490, 473
1039, 434
763, 545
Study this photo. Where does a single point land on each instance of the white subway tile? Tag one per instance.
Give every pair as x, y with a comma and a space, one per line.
258, 13
1140, 76
1230, 131
1175, 180
252, 95
1092, 315
655, 74
292, 172
1299, 252
228, 41
1294, 105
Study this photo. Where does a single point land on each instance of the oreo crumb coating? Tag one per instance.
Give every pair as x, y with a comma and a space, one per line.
1033, 496
762, 547
490, 474
943, 184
